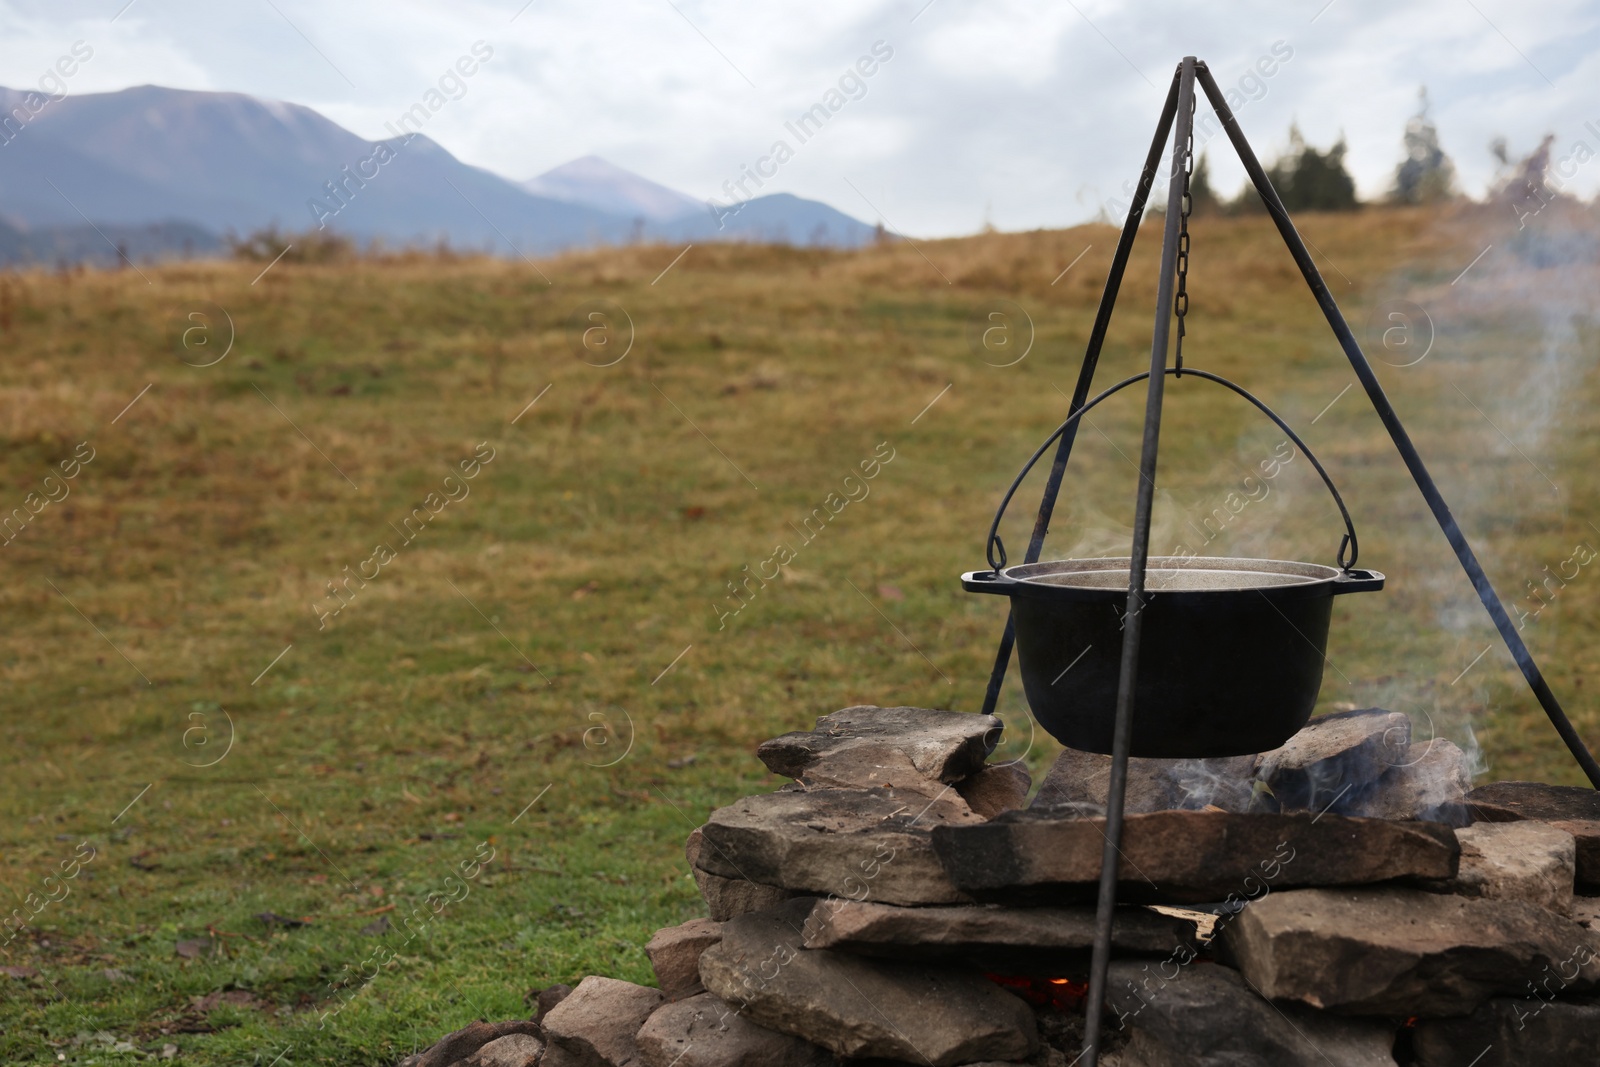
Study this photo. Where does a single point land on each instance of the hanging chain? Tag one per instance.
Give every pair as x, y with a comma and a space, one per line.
1180, 300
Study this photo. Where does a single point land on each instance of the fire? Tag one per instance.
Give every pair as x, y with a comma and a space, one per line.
1064, 994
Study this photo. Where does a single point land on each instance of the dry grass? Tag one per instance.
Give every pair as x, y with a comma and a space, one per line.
598, 541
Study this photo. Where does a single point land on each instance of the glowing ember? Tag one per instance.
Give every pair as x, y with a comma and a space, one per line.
1064, 994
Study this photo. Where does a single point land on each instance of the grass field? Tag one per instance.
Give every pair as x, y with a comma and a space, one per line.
194, 736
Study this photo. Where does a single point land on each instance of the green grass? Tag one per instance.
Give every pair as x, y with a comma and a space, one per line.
379, 753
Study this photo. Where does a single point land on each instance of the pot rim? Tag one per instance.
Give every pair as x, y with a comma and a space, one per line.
1293, 580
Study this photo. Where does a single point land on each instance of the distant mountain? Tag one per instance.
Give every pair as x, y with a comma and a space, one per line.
230, 162
598, 184
188, 166
779, 218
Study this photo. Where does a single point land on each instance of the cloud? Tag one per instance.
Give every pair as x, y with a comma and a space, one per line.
1032, 110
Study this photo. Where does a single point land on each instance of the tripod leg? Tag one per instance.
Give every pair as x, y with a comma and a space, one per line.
1402, 440
1133, 621
1080, 394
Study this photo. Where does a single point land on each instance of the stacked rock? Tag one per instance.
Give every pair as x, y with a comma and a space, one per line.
898, 902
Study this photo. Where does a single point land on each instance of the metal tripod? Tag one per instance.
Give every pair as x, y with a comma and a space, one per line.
1179, 109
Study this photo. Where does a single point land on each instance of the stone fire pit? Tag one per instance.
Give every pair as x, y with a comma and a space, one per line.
1347, 899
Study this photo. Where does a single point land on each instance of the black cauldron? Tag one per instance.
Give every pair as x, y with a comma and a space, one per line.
1230, 658
1231, 650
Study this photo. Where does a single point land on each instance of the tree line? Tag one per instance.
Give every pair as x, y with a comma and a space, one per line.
1311, 179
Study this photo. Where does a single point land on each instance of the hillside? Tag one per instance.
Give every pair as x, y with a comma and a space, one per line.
551, 659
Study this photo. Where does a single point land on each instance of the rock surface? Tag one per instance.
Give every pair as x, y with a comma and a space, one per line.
996, 789
1187, 856
595, 1025
1402, 952
1335, 757
702, 1031
1368, 751
1571, 808
1432, 783
727, 897
854, 746
844, 842
674, 953
1586, 836
1513, 801
513, 1050
1512, 1033
885, 770
459, 1045
1153, 784
1529, 861
990, 937
862, 1008
547, 998
1204, 1015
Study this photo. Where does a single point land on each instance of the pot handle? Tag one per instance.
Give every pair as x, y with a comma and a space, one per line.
1357, 581
988, 582
1349, 547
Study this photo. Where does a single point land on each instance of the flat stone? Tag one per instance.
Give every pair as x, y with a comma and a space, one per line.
1529, 861
1335, 757
1586, 838
877, 770
1574, 809
852, 746
864, 844
728, 897
674, 953
460, 1044
1153, 784
1174, 857
1008, 940
861, 1008
702, 1031
1514, 801
996, 789
513, 1050
1402, 952
595, 1025
1432, 784
1203, 1015
1512, 1033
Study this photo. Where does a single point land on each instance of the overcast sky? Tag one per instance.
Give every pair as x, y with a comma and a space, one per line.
1028, 112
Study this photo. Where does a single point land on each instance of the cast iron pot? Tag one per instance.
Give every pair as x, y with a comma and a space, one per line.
1231, 653
1230, 660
